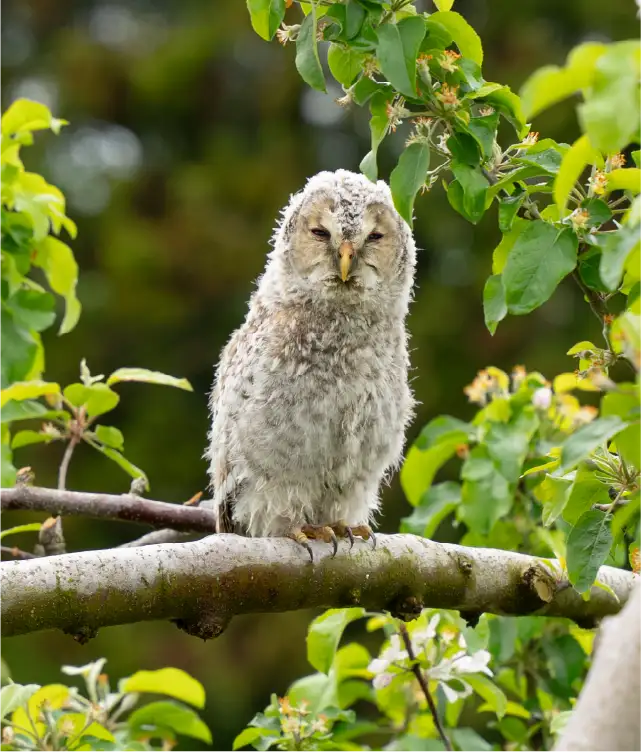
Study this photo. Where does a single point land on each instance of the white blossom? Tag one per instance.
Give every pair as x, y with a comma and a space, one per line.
542, 398
391, 654
382, 680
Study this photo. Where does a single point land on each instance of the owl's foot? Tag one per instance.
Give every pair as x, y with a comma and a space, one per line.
343, 530
305, 533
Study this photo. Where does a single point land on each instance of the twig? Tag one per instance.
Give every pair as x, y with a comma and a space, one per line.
420, 677
16, 552
51, 540
125, 507
64, 465
157, 536
597, 305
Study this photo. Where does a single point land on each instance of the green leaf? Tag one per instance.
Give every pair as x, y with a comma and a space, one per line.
100, 399
148, 377
119, 459
626, 406
435, 446
250, 735
508, 443
7, 467
473, 185
610, 114
617, 249
625, 179
546, 154
551, 84
25, 115
436, 504
587, 490
486, 494
378, 124
364, 89
24, 390
28, 528
541, 257
575, 160
20, 349
494, 305
444, 5
307, 60
489, 691
502, 250
57, 261
26, 438
13, 696
32, 309
167, 681
344, 63
397, 50
588, 546
508, 208
157, 718
587, 438
483, 129
467, 40
28, 410
408, 177
266, 16
464, 148
112, 437
553, 493
506, 101
324, 634
599, 212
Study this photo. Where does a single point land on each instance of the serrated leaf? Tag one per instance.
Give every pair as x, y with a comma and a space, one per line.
588, 546
307, 60
27, 528
575, 160
408, 177
540, 258
587, 438
266, 16
148, 377
324, 634
159, 717
167, 681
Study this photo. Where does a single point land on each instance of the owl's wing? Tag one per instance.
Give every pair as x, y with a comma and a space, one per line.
225, 474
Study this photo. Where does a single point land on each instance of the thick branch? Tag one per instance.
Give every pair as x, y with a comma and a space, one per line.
127, 507
606, 715
203, 584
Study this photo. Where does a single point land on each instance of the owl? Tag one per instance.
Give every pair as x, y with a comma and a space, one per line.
311, 397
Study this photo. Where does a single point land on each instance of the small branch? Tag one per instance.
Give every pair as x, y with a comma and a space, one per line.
166, 535
125, 507
64, 465
51, 540
16, 553
203, 584
420, 677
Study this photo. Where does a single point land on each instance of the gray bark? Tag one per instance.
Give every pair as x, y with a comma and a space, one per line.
203, 584
607, 714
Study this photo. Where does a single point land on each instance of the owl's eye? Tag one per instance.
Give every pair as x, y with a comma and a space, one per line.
375, 236
320, 233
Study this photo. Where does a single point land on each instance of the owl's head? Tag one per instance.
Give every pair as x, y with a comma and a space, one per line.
342, 237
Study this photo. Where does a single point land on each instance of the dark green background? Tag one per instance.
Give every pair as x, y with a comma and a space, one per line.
188, 133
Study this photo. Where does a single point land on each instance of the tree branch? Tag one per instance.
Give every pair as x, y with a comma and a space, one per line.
203, 584
606, 715
127, 507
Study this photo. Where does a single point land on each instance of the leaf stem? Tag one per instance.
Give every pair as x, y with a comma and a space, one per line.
420, 677
64, 465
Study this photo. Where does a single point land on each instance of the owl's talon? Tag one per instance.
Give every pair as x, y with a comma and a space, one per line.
299, 537
350, 535
321, 532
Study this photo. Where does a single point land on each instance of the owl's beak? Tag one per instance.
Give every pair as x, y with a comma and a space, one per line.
345, 259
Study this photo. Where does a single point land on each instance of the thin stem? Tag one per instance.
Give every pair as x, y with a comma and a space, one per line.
416, 670
597, 305
64, 465
17, 553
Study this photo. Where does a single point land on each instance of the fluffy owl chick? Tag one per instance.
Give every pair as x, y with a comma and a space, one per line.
311, 397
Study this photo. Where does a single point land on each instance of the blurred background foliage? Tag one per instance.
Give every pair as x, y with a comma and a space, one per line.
187, 134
